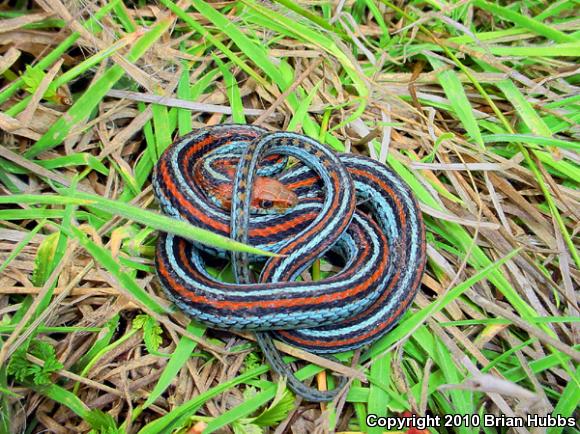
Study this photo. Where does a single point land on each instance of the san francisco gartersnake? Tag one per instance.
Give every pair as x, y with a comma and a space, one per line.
382, 243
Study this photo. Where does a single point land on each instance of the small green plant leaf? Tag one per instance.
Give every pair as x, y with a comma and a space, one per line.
151, 331
44, 259
246, 428
25, 371
252, 361
102, 423
278, 410
32, 79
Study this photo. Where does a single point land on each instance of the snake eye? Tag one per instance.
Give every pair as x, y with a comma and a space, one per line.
266, 204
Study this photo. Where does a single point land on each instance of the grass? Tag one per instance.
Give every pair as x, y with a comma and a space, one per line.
473, 103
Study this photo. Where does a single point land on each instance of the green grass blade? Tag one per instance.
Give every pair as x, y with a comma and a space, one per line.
104, 258
568, 402
294, 6
182, 353
86, 103
167, 422
523, 21
410, 323
245, 409
21, 245
148, 218
233, 92
184, 123
92, 24
378, 399
206, 34
298, 119
456, 94
531, 139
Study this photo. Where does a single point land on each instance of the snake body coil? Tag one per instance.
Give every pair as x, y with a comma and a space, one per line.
382, 245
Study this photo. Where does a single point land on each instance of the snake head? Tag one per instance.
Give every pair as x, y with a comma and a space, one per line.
270, 196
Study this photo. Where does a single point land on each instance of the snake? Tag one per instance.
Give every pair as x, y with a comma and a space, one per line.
238, 181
